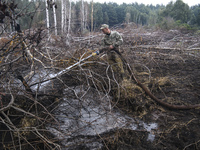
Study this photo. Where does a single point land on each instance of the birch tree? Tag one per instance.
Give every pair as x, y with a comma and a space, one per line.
69, 24
55, 21
92, 17
63, 14
47, 17
82, 16
86, 15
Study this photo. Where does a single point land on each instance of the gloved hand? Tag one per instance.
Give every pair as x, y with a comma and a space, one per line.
95, 53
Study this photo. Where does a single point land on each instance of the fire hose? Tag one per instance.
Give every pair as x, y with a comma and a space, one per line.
165, 104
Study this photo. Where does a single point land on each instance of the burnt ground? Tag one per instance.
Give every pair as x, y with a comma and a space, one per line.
172, 75
178, 129
167, 62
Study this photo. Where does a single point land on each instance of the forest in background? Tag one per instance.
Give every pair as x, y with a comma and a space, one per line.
76, 17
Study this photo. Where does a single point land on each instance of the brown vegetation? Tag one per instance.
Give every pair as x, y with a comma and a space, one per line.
167, 63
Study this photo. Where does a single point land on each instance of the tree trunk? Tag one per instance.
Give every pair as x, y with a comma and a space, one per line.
62, 16
65, 16
47, 17
82, 16
92, 17
86, 14
70, 12
69, 24
55, 21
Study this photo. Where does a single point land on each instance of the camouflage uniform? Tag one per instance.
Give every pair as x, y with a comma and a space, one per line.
114, 39
114, 57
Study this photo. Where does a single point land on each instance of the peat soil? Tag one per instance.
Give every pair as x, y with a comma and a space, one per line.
172, 75
168, 63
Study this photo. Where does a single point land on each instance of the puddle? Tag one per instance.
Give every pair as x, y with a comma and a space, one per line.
149, 128
85, 114
83, 117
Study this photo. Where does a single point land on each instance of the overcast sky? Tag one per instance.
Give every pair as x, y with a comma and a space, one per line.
153, 2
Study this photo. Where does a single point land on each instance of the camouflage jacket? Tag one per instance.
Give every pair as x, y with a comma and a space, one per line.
114, 39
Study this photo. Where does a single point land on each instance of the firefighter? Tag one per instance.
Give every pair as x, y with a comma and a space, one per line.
111, 45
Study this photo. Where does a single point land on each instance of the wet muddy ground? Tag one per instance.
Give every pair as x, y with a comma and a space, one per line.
169, 65
87, 114
172, 75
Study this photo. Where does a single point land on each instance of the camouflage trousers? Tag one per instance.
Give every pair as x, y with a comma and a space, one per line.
117, 64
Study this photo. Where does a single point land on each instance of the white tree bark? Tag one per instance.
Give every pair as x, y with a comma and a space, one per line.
47, 17
65, 16
62, 16
69, 24
92, 17
82, 16
86, 15
55, 21
70, 12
